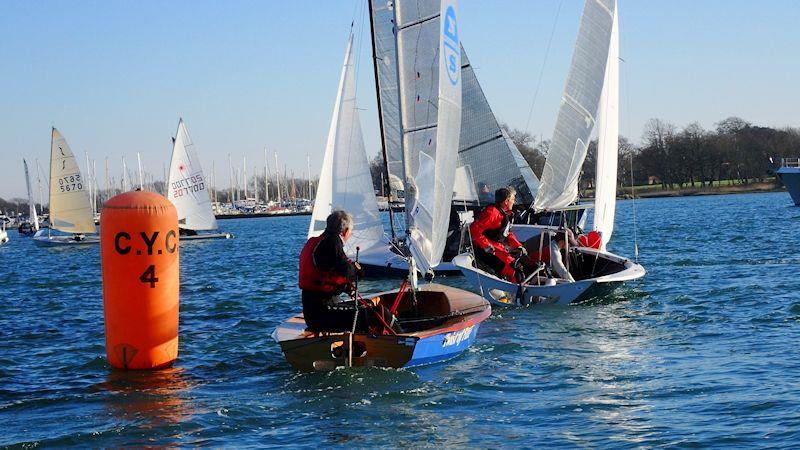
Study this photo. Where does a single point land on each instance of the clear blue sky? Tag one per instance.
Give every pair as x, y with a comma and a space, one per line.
115, 76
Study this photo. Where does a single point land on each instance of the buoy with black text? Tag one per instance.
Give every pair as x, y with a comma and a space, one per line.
140, 268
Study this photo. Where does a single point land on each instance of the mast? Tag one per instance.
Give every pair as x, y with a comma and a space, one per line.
244, 175
123, 186
266, 176
214, 179
308, 166
106, 186
278, 177
95, 186
139, 162
39, 183
230, 164
385, 173
50, 201
255, 184
88, 179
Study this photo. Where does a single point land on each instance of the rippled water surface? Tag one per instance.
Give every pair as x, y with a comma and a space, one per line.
703, 352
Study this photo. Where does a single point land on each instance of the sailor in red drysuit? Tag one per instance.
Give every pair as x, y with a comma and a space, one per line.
492, 239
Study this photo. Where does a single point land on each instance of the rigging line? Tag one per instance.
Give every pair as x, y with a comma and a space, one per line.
633, 188
544, 65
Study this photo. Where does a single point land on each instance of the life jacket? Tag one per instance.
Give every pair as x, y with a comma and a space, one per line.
500, 233
591, 240
311, 277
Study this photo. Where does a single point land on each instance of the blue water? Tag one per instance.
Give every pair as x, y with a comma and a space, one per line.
702, 353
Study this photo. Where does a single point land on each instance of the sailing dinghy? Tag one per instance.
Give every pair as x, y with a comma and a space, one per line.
592, 89
486, 155
188, 190
438, 322
30, 227
70, 207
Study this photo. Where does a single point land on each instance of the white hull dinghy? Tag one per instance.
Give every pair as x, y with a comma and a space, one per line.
591, 95
70, 206
188, 190
603, 271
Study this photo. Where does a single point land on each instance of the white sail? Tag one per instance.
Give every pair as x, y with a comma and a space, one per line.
605, 196
70, 209
34, 218
429, 68
485, 147
385, 54
345, 181
579, 104
188, 188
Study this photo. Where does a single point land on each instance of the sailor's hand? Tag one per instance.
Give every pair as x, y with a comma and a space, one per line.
359, 270
522, 251
489, 249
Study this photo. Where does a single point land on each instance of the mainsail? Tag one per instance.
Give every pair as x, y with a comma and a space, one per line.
483, 146
70, 209
188, 189
491, 155
579, 105
429, 74
345, 181
605, 196
34, 218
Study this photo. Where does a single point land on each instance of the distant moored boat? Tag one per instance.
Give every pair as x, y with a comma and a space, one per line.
789, 174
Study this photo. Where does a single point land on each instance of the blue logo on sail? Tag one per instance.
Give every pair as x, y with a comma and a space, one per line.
452, 49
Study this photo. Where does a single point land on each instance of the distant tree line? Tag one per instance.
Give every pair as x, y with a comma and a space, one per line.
734, 150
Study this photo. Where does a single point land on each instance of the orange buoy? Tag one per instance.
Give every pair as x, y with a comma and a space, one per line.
139, 258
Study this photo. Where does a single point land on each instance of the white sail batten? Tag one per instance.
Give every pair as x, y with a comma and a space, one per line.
188, 189
33, 217
579, 105
605, 197
70, 208
345, 181
429, 67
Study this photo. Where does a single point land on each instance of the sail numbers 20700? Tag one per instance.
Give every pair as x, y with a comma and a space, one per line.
70, 183
186, 185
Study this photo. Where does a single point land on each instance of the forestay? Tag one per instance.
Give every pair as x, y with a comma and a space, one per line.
579, 104
188, 189
429, 67
605, 197
345, 181
485, 148
33, 217
70, 209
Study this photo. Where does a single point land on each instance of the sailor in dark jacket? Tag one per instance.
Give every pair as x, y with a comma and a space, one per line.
326, 272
